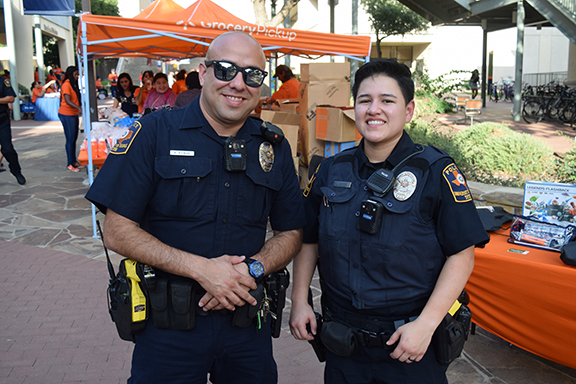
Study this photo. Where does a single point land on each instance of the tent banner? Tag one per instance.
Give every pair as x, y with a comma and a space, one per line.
52, 8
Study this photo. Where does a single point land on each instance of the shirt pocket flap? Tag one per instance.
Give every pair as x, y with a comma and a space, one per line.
338, 195
178, 167
272, 179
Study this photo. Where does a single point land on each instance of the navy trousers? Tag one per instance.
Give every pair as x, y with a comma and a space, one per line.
71, 129
213, 350
6, 143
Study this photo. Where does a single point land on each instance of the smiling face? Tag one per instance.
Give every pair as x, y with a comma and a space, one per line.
161, 85
227, 104
381, 111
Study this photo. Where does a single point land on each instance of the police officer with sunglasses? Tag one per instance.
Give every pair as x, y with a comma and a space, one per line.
194, 190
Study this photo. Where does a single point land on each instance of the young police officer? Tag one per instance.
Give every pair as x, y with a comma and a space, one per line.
189, 192
394, 227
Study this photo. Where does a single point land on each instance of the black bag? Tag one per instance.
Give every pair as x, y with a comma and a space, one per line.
127, 301
568, 254
449, 338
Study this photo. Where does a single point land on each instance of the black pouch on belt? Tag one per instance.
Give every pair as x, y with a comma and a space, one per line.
338, 338
159, 304
449, 338
244, 315
183, 314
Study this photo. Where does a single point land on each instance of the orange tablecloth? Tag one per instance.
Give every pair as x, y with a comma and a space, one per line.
528, 300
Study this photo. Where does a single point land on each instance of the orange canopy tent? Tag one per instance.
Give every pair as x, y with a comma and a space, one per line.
160, 9
189, 32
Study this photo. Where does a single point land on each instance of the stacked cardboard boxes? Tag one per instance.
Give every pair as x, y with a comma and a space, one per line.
321, 84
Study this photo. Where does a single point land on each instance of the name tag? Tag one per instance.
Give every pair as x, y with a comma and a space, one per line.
174, 152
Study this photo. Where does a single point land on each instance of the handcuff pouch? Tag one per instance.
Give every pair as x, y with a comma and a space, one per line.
244, 315
338, 338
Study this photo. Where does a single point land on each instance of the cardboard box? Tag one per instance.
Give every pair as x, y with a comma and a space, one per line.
336, 124
324, 72
286, 105
331, 148
288, 122
312, 95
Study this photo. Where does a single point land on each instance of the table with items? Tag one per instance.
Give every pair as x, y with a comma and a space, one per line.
47, 109
526, 296
103, 136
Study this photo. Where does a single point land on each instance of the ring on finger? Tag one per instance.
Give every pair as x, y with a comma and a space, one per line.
411, 359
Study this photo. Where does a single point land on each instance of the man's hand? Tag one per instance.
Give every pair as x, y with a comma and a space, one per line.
227, 283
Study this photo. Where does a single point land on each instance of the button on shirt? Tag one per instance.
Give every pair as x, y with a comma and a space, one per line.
172, 181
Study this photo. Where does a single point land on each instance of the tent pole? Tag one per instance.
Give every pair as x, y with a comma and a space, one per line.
86, 120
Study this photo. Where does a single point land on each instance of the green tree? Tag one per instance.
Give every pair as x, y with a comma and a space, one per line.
263, 19
389, 17
97, 7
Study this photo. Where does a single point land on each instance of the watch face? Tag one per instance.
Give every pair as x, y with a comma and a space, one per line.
256, 269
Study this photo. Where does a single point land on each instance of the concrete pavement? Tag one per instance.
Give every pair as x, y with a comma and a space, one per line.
54, 325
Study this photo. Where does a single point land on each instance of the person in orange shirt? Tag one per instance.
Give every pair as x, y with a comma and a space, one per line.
290, 85
113, 77
58, 73
36, 75
142, 93
68, 114
180, 84
38, 90
51, 76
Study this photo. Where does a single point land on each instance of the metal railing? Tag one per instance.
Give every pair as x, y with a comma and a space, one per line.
536, 79
568, 5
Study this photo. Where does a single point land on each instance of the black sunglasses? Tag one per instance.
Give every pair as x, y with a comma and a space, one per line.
226, 71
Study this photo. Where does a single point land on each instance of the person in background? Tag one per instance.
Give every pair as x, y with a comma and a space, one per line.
36, 75
290, 85
142, 92
98, 84
7, 96
201, 225
473, 83
58, 73
171, 79
180, 84
2, 169
194, 89
161, 96
52, 77
113, 77
394, 248
125, 95
68, 114
38, 90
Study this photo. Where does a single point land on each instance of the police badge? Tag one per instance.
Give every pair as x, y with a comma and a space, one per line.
405, 185
266, 156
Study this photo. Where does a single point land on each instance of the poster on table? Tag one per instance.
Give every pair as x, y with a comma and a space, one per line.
550, 202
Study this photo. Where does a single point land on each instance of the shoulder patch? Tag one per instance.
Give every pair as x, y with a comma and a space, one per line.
126, 140
7, 82
457, 184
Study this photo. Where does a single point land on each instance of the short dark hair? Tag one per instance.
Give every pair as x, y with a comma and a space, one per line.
181, 75
158, 76
193, 80
284, 69
387, 67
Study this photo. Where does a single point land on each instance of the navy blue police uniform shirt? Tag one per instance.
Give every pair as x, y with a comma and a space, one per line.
455, 220
168, 175
5, 90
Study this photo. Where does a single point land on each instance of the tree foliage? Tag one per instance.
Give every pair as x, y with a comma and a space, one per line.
97, 7
389, 17
262, 18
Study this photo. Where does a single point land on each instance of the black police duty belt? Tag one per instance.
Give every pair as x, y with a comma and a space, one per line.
366, 337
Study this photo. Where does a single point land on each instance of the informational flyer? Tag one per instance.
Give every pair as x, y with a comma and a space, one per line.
550, 202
